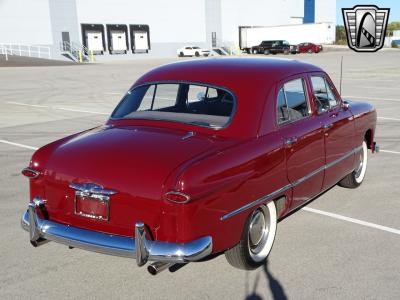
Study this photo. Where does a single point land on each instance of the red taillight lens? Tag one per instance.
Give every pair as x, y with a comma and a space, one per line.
177, 197
27, 172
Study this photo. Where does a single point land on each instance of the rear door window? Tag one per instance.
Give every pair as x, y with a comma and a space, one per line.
292, 102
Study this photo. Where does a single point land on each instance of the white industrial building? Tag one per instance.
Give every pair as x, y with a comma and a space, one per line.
157, 27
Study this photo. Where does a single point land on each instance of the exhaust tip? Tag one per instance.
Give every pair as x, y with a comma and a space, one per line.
158, 267
152, 270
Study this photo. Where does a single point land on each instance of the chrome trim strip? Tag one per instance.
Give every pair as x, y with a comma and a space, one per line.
180, 194
44, 230
288, 186
91, 188
256, 202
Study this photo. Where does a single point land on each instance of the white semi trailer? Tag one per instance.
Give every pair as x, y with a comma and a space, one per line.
317, 33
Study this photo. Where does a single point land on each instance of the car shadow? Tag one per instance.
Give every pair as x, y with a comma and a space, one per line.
275, 287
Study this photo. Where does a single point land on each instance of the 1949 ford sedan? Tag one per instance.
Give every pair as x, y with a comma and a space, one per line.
200, 158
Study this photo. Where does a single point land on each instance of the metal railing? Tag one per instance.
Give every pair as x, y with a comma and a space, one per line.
76, 51
25, 50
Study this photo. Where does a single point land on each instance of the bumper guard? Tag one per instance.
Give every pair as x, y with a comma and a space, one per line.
138, 247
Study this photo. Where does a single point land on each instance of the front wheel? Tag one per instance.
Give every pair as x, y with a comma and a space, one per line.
197, 54
257, 239
355, 178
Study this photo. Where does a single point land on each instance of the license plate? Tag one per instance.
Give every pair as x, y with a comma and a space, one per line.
92, 206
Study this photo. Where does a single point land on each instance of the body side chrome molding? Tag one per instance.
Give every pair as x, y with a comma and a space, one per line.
289, 186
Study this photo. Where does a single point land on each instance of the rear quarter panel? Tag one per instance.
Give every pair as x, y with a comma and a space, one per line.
365, 117
222, 183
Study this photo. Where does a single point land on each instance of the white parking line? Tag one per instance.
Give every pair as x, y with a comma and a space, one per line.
389, 151
347, 219
373, 98
18, 145
391, 119
59, 108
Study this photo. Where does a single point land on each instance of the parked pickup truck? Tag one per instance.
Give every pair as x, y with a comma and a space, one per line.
274, 47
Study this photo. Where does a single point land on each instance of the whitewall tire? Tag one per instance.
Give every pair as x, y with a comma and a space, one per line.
257, 239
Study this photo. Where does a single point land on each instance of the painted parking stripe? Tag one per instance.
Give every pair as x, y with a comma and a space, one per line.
352, 220
390, 119
373, 98
389, 151
18, 145
59, 108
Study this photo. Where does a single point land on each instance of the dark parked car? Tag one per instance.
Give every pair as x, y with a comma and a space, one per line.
274, 47
309, 48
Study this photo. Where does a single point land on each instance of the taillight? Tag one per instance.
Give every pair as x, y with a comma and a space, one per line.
30, 173
177, 197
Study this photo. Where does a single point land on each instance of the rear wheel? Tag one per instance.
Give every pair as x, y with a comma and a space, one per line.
286, 51
180, 54
255, 51
355, 178
197, 54
257, 239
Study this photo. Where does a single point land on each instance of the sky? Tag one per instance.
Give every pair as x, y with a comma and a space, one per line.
394, 5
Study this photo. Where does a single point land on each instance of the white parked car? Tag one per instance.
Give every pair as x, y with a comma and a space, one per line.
192, 51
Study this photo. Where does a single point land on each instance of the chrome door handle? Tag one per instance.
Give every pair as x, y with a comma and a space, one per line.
327, 126
290, 141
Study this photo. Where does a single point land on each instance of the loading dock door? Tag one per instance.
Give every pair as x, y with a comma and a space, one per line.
141, 41
94, 41
118, 42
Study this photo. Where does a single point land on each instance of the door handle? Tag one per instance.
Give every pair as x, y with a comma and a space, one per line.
327, 126
290, 141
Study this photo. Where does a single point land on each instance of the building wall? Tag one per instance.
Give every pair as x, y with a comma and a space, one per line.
63, 18
237, 13
25, 22
325, 11
172, 20
173, 23
213, 21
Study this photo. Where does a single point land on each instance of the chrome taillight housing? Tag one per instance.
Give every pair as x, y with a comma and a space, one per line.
30, 173
177, 197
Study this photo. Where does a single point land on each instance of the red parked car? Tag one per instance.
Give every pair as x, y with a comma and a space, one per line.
200, 158
309, 48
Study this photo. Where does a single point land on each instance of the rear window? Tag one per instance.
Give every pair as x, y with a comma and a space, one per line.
188, 103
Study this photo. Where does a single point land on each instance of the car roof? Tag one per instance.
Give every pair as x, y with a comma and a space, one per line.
250, 79
216, 71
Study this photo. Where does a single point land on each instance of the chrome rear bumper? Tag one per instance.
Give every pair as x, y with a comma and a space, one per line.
138, 247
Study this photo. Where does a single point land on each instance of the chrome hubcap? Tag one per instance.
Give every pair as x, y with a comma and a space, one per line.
258, 230
257, 226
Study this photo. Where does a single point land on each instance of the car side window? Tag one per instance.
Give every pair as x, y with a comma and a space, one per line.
323, 93
282, 107
292, 102
196, 93
165, 96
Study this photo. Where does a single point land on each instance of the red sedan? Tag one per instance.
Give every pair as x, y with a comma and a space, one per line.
200, 158
309, 48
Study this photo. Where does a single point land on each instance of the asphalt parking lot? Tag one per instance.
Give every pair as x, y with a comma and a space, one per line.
346, 247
